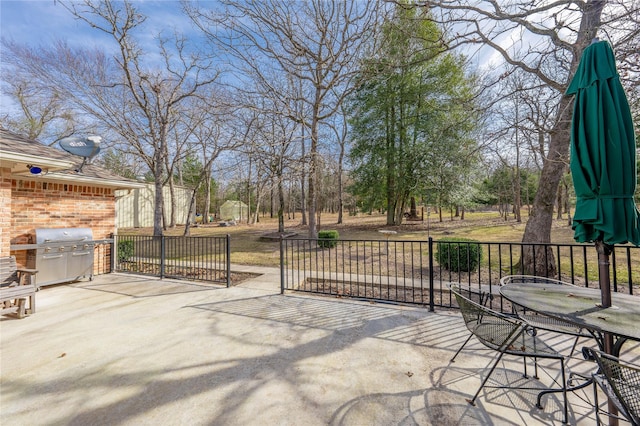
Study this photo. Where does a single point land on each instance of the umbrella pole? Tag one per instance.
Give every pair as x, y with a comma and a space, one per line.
604, 251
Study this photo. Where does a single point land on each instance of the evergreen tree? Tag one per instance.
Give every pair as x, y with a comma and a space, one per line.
411, 117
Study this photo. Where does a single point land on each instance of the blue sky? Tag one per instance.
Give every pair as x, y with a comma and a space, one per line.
40, 22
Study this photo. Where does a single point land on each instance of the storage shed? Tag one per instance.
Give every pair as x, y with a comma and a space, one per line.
233, 210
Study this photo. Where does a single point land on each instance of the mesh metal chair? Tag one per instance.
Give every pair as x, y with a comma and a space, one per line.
478, 296
508, 335
620, 382
544, 322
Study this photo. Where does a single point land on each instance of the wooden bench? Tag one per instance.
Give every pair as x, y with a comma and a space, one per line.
16, 286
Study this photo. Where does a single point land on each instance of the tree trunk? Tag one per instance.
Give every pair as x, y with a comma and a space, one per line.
391, 168
340, 191
280, 205
158, 204
538, 228
271, 206
303, 201
313, 163
207, 197
517, 202
172, 203
311, 202
248, 195
192, 208
256, 216
559, 202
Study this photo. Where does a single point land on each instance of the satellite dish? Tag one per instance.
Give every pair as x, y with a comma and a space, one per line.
87, 147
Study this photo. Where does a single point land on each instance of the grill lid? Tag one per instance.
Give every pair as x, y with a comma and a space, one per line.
62, 235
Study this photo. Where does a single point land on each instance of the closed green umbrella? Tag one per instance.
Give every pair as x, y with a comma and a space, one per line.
603, 152
603, 158
603, 164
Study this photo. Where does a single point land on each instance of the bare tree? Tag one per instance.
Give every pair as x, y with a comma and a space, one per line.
340, 130
136, 99
315, 41
41, 112
546, 40
209, 128
272, 145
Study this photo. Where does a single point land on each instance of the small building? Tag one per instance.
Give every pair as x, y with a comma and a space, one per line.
233, 210
135, 207
44, 187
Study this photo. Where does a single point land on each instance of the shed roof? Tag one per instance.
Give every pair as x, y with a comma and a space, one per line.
18, 152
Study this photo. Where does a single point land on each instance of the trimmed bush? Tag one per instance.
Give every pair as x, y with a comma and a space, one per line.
328, 239
125, 250
459, 254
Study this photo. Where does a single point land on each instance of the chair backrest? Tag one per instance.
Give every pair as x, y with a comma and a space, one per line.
624, 380
493, 329
512, 279
476, 295
8, 270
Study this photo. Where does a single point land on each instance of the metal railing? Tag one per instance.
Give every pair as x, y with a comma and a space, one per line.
193, 258
420, 272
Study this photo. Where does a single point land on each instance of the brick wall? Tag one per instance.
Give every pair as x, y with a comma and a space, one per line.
5, 211
38, 204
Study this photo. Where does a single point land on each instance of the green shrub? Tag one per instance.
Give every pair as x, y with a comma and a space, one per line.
459, 254
125, 250
328, 239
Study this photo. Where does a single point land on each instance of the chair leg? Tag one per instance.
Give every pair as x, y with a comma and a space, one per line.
32, 304
595, 402
21, 307
472, 401
459, 350
564, 394
535, 360
575, 343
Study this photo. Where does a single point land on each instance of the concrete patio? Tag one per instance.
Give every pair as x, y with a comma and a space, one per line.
131, 350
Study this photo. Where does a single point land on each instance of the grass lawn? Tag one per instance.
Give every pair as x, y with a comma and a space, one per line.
247, 247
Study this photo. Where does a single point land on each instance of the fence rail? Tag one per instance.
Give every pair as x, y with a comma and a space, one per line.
420, 272
192, 258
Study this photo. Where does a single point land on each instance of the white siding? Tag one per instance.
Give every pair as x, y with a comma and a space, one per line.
134, 208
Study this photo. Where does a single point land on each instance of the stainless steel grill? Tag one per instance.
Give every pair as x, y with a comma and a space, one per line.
62, 255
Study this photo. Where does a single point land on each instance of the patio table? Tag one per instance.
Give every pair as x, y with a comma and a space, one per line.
581, 306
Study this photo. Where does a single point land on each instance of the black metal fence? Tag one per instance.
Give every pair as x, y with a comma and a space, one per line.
192, 258
420, 272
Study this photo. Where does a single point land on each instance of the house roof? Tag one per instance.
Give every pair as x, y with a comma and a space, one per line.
18, 153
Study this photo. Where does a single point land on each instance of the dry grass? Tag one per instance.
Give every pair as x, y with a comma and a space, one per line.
248, 248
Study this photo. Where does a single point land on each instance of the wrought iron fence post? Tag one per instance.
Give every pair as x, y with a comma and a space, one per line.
281, 264
228, 263
112, 250
162, 256
431, 283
